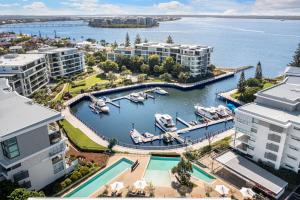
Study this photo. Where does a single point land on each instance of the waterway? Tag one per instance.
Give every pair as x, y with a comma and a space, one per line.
236, 42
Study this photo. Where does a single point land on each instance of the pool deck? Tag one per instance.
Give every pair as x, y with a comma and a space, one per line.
128, 178
93, 136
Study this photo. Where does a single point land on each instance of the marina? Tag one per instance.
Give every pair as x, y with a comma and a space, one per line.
137, 129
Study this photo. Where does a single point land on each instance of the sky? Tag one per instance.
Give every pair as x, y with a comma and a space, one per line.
138, 7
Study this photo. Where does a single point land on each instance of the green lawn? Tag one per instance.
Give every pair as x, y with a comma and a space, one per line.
89, 82
267, 85
79, 139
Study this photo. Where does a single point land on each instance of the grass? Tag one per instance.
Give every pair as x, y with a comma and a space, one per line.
89, 82
79, 139
267, 85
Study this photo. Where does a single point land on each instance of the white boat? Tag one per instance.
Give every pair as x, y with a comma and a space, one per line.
165, 122
223, 111
209, 113
167, 138
136, 136
160, 91
148, 135
136, 97
101, 105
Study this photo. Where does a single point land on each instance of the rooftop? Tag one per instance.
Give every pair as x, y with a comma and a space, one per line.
274, 114
18, 113
18, 59
292, 71
174, 46
252, 172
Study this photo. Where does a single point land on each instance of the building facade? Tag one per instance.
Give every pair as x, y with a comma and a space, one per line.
269, 129
63, 62
26, 72
195, 58
32, 149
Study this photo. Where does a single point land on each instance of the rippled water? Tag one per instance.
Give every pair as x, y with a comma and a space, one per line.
236, 42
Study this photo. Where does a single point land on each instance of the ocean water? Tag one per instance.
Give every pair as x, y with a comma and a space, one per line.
236, 42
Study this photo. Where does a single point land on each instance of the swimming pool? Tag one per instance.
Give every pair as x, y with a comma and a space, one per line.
159, 169
100, 179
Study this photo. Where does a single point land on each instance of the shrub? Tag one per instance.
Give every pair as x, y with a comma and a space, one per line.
254, 82
75, 176
63, 185
84, 170
68, 182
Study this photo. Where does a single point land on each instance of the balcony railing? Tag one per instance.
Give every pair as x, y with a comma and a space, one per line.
20, 175
57, 149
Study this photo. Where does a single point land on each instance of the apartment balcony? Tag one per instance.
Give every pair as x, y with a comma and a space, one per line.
242, 147
243, 138
57, 148
55, 137
57, 159
20, 176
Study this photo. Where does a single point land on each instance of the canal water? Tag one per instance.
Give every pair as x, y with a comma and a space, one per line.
120, 121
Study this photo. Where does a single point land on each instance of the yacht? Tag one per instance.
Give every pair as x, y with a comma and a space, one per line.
167, 138
209, 113
160, 91
136, 97
165, 122
148, 135
136, 136
223, 111
101, 105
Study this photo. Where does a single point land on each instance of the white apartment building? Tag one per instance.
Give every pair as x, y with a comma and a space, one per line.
32, 149
62, 62
26, 72
269, 129
194, 57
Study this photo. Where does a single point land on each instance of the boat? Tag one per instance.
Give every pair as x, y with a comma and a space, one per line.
136, 136
148, 135
101, 105
209, 113
165, 122
136, 97
223, 111
160, 91
167, 138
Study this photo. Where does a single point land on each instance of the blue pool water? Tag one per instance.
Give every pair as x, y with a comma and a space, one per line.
101, 179
159, 169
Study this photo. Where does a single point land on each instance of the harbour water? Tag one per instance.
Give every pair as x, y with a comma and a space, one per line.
236, 42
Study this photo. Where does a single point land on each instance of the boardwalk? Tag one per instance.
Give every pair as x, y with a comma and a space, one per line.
227, 97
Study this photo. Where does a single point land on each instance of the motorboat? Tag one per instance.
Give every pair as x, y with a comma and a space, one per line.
92, 106
101, 105
209, 113
136, 136
223, 111
160, 91
167, 138
136, 97
148, 135
165, 122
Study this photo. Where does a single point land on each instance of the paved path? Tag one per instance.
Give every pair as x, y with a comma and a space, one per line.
227, 95
93, 136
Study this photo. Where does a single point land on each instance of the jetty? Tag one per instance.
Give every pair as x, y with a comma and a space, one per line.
226, 96
183, 122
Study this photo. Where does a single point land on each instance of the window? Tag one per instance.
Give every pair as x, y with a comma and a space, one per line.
293, 148
10, 148
272, 147
275, 128
291, 157
295, 138
270, 156
256, 121
253, 130
288, 166
296, 128
274, 138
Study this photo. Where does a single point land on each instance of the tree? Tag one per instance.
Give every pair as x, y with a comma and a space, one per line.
136, 63
153, 60
168, 64
138, 39
242, 83
183, 77
124, 61
7, 187
248, 95
258, 71
254, 82
176, 70
158, 69
100, 56
183, 170
90, 60
145, 68
296, 58
141, 78
166, 77
23, 194
145, 40
114, 45
109, 65
111, 77
127, 40
169, 40
112, 143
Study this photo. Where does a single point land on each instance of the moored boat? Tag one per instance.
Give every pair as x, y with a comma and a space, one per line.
160, 91
165, 122
136, 136
136, 97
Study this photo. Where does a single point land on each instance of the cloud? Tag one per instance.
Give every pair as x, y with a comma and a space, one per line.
8, 5
36, 6
170, 5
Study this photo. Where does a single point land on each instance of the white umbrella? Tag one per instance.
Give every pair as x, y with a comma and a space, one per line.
140, 184
222, 189
116, 186
247, 192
